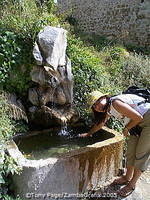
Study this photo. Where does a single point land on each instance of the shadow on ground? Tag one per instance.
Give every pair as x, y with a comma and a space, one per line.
141, 191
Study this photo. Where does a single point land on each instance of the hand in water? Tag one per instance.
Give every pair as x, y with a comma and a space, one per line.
84, 135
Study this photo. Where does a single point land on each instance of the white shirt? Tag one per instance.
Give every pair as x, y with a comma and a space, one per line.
131, 100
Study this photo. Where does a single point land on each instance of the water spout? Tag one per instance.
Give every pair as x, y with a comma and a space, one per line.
64, 128
64, 131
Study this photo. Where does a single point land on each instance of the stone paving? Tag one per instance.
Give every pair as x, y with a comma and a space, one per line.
141, 191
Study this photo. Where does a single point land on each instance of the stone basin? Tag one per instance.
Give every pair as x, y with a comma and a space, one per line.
72, 172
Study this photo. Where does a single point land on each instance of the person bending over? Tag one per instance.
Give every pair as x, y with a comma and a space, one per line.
133, 112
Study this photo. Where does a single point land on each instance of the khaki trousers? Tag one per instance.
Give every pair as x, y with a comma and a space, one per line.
138, 148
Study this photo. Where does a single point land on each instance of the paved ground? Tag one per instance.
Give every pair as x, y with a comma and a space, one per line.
141, 192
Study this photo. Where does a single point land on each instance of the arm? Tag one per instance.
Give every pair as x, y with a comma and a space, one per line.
127, 111
94, 128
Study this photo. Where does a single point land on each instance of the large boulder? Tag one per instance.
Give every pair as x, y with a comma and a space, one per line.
53, 77
45, 117
50, 48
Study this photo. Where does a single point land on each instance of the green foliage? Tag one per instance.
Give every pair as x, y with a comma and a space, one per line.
8, 54
138, 49
7, 164
136, 71
117, 53
98, 42
115, 124
6, 128
15, 62
88, 72
26, 17
126, 69
111, 69
21, 20
7, 197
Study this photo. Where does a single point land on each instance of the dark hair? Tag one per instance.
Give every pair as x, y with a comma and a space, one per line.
100, 117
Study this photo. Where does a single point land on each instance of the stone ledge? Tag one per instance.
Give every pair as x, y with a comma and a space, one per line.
78, 171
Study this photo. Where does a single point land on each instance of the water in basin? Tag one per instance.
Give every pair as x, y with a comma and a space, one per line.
50, 144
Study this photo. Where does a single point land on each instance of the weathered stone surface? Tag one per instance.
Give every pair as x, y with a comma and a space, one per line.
41, 96
2, 155
33, 96
67, 80
119, 19
46, 117
59, 84
74, 172
141, 191
37, 54
54, 77
50, 48
45, 77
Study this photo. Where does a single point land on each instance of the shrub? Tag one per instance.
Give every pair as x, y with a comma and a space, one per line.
110, 70
15, 62
21, 20
112, 58
138, 49
128, 71
98, 42
7, 197
88, 72
125, 69
7, 164
26, 17
117, 53
8, 53
136, 71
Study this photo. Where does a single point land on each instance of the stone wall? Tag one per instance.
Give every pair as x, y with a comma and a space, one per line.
125, 20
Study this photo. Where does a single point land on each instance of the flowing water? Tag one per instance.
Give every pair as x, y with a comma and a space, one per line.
48, 145
64, 131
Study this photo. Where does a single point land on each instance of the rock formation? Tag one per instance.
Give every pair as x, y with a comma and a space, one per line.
52, 97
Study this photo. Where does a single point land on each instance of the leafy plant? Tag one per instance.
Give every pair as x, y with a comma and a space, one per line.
88, 72
138, 49
7, 197
8, 53
21, 20
26, 17
136, 71
7, 130
114, 124
15, 62
117, 53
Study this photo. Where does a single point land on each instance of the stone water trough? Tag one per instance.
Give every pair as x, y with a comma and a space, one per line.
72, 172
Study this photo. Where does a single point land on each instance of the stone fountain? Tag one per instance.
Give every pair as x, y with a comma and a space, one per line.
52, 96
77, 170
68, 174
